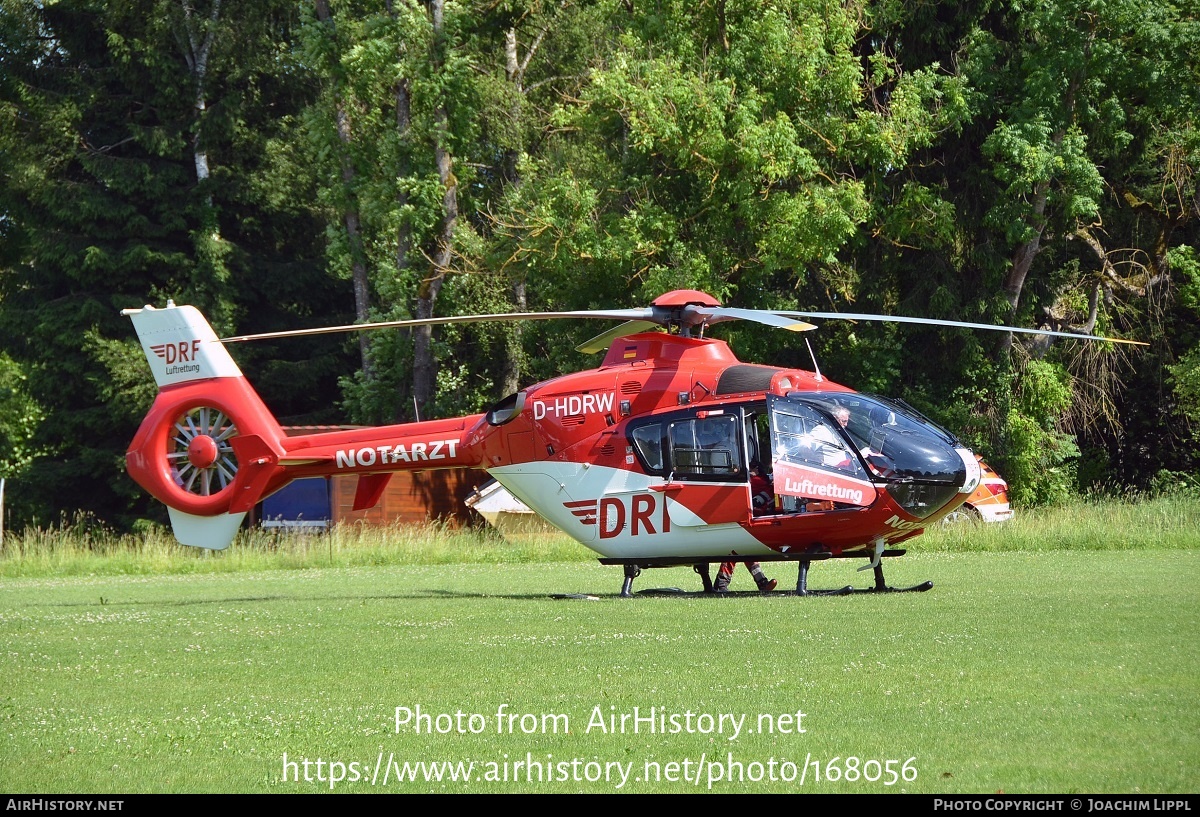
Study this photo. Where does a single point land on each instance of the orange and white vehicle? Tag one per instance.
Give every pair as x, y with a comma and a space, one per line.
989, 502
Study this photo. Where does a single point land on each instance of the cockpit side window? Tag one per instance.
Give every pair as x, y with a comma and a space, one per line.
814, 463
648, 442
803, 437
918, 457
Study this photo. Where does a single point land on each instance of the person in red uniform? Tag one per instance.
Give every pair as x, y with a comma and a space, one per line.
763, 498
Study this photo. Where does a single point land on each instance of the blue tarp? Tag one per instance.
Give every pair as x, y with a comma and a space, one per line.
301, 501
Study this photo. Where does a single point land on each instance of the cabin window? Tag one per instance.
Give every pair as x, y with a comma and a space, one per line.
707, 447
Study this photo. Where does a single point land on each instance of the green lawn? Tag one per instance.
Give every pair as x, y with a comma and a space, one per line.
1021, 671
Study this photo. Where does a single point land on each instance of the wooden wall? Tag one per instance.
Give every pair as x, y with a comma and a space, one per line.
412, 496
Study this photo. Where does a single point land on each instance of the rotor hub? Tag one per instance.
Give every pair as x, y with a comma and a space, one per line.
202, 451
685, 297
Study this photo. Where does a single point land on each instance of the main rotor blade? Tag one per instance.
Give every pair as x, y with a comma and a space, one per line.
603, 314
779, 320
605, 339
852, 316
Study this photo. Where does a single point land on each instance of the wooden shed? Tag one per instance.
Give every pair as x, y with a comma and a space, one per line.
410, 496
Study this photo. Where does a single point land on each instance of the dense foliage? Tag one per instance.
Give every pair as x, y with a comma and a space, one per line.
288, 164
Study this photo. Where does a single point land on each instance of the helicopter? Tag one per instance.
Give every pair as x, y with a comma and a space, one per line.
672, 452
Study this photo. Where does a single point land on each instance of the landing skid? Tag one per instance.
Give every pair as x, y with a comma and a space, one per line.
702, 569
881, 585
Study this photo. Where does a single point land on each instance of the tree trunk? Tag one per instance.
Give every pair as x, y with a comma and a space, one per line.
424, 365
513, 352
1022, 261
350, 216
1025, 253
403, 124
514, 72
196, 51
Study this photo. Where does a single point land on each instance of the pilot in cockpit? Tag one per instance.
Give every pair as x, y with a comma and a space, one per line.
832, 449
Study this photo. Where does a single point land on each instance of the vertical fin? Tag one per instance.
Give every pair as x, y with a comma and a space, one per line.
180, 345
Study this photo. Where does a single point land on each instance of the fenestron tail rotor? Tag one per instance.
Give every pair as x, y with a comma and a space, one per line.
200, 451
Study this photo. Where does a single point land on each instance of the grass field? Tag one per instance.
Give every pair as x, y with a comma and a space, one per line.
80, 549
1046, 668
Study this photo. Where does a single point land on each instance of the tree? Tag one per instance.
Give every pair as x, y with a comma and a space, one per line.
1027, 213
19, 419
101, 191
399, 93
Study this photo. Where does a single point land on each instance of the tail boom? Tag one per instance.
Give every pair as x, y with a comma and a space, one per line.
209, 448
424, 446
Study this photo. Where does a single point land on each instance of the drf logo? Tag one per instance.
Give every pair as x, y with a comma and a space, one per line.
184, 351
611, 513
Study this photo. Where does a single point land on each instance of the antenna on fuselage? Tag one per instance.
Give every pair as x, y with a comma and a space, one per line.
816, 368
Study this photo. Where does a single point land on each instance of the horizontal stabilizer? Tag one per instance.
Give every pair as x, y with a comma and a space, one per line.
259, 465
369, 489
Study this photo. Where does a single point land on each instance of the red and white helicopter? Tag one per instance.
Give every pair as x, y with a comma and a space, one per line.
649, 459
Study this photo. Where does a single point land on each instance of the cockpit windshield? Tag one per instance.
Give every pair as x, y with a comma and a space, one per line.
918, 458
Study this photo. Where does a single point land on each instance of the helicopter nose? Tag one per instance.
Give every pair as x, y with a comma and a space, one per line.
930, 475
974, 473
